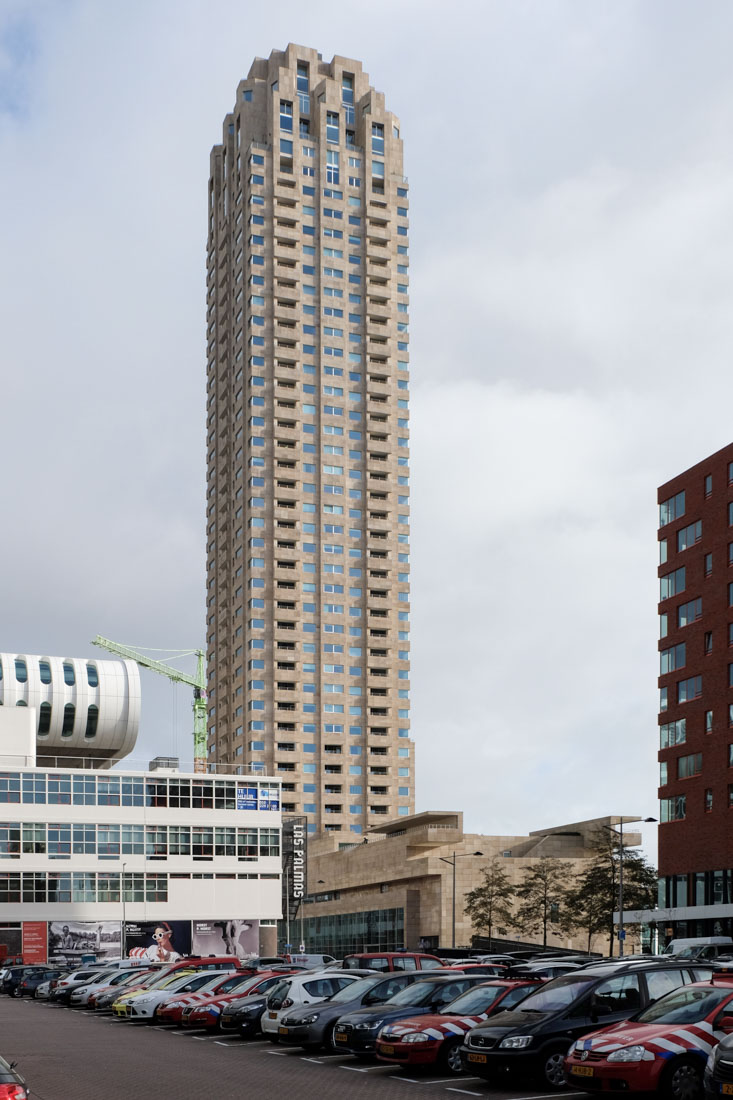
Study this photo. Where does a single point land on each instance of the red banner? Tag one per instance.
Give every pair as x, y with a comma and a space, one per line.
34, 941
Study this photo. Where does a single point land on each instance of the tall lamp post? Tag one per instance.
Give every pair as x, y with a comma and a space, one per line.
452, 862
124, 923
620, 834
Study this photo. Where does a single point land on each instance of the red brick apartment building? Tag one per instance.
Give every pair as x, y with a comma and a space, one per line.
696, 699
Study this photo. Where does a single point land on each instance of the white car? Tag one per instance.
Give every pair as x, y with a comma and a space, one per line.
106, 980
143, 1007
303, 989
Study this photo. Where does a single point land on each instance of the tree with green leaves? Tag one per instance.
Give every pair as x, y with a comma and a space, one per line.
490, 905
542, 895
594, 897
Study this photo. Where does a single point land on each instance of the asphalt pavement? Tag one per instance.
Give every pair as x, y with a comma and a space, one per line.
72, 1054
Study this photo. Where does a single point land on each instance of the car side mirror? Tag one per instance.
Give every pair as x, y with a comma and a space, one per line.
597, 1009
725, 1024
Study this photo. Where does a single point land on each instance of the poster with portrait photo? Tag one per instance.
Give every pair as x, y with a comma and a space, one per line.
227, 937
158, 940
72, 941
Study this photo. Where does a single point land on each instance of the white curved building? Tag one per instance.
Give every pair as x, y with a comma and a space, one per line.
85, 707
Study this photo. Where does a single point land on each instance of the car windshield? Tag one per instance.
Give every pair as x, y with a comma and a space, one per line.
240, 982
558, 994
478, 999
684, 1006
416, 994
355, 990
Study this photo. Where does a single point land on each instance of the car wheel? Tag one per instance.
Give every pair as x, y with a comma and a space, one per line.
682, 1080
449, 1058
553, 1068
16, 992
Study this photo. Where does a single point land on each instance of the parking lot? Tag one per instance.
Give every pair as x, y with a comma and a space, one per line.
68, 1054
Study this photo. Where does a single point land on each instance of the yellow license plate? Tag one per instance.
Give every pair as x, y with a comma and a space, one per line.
386, 1049
282, 1031
582, 1071
272, 1015
727, 1089
476, 1057
340, 1038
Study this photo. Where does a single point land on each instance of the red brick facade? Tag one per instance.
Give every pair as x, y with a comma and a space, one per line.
702, 840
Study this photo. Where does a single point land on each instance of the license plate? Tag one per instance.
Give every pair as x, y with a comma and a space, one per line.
727, 1089
272, 1015
476, 1058
582, 1071
386, 1049
282, 1031
340, 1038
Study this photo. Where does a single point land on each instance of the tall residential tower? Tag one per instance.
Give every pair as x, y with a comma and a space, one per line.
307, 440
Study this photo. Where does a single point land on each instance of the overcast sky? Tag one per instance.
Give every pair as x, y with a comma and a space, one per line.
571, 181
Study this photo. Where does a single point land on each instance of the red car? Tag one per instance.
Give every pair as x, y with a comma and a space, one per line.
661, 1049
177, 1010
426, 1040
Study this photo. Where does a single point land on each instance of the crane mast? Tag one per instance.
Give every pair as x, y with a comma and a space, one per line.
197, 682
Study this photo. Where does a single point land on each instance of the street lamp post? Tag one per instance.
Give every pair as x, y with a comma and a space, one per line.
620, 834
124, 923
452, 862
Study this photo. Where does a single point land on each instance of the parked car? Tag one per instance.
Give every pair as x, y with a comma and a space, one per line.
718, 1074
547, 969
31, 980
303, 989
356, 1032
12, 1085
244, 1015
437, 1037
122, 1005
17, 974
311, 1026
533, 1039
391, 960
65, 986
662, 1049
121, 979
103, 999
145, 1006
106, 979
205, 1007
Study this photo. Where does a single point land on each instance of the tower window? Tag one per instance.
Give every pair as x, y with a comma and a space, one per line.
69, 677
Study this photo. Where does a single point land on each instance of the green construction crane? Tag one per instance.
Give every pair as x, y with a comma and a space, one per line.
197, 682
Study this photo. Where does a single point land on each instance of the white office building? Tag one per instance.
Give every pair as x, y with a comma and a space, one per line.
159, 862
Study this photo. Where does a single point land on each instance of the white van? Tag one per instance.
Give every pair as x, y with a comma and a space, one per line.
311, 962
700, 947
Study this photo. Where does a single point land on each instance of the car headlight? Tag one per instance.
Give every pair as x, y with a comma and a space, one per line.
371, 1025
309, 1019
516, 1042
416, 1037
627, 1054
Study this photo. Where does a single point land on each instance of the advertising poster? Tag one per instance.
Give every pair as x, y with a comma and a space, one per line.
226, 937
72, 942
158, 940
34, 941
10, 940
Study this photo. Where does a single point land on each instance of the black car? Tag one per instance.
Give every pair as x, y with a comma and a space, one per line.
356, 1031
244, 1014
31, 980
12, 1084
16, 974
312, 1026
719, 1070
532, 1040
